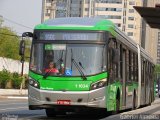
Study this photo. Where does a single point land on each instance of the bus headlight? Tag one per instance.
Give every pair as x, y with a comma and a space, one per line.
34, 83
99, 84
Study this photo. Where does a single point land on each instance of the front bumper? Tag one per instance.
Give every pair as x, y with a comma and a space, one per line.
41, 99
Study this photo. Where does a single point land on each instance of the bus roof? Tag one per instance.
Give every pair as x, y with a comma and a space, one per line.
77, 23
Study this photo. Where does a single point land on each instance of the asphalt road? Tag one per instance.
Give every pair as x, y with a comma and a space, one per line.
16, 109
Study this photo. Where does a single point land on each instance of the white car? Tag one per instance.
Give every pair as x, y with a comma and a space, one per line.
157, 91
156, 88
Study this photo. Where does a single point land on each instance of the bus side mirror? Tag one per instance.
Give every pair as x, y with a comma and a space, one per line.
22, 48
22, 43
27, 34
116, 56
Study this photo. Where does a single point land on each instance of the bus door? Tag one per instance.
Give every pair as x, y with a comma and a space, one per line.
124, 77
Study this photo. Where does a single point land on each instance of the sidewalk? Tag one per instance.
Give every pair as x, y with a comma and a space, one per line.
14, 93
156, 101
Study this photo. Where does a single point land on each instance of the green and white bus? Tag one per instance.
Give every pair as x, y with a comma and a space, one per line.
99, 67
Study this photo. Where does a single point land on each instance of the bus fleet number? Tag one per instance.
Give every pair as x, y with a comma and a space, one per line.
81, 86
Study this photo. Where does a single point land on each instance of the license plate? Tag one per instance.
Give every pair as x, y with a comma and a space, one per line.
63, 102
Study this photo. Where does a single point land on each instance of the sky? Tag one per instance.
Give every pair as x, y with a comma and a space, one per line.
21, 15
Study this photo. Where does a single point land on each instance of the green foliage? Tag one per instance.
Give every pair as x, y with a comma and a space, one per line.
25, 85
5, 76
12, 80
16, 80
157, 71
157, 68
9, 43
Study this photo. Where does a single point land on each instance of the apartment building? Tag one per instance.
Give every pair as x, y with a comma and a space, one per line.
152, 37
158, 49
121, 12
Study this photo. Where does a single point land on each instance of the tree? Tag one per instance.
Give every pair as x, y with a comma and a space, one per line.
9, 43
157, 71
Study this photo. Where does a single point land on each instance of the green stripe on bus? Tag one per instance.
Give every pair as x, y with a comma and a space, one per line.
67, 83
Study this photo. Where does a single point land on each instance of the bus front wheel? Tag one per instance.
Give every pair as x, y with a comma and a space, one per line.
50, 113
117, 105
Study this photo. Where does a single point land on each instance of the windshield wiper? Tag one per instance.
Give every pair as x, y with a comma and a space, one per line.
77, 66
46, 74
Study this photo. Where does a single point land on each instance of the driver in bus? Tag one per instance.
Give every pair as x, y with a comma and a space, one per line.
51, 68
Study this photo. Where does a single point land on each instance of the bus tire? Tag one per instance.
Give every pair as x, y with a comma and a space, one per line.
150, 98
117, 105
134, 101
117, 102
50, 113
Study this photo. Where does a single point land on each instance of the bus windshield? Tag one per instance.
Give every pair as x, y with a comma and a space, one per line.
68, 58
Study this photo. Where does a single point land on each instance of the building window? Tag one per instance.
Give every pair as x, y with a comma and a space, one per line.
86, 9
130, 18
109, 1
109, 16
131, 10
130, 26
108, 9
130, 33
131, 2
48, 1
158, 49
47, 12
86, 1
75, 1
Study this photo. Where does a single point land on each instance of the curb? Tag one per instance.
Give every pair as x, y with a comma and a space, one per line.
14, 97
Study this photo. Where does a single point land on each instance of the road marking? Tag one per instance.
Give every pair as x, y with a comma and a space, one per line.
14, 97
13, 104
35, 116
13, 108
12, 100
